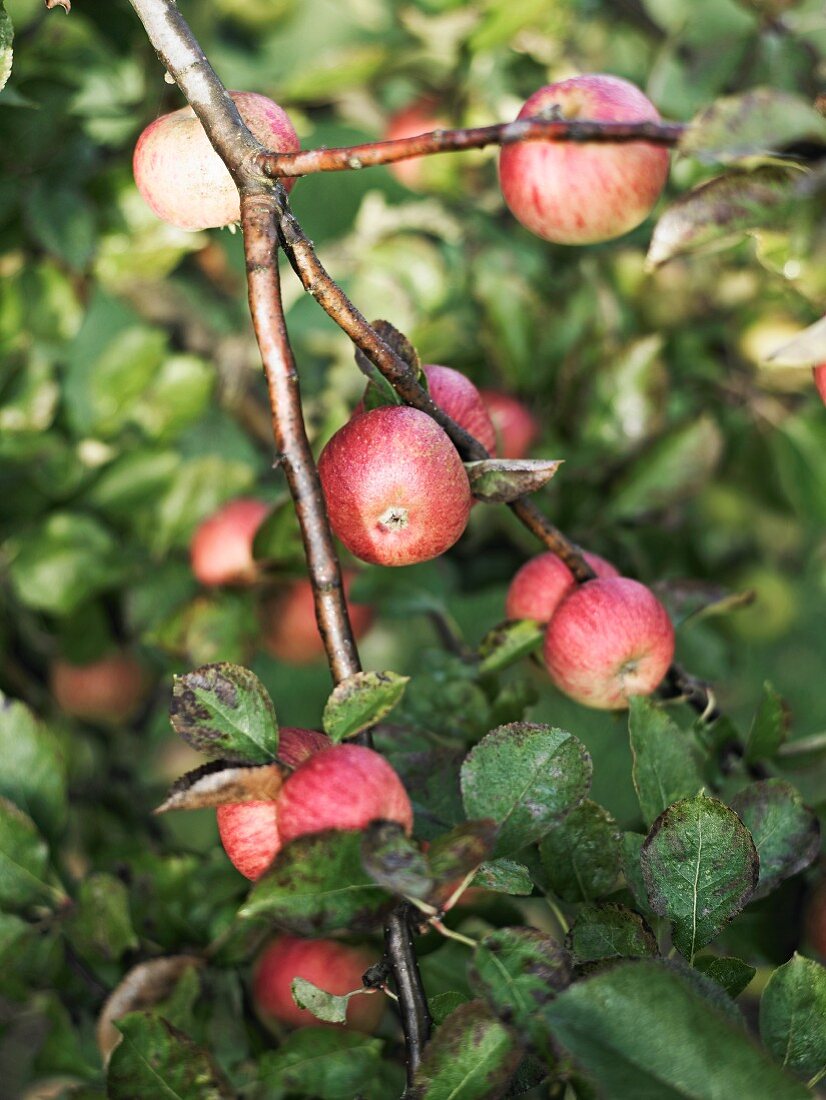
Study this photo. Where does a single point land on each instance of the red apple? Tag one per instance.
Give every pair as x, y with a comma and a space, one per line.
395, 486
109, 690
221, 548
290, 628
819, 374
333, 967
517, 429
539, 586
463, 403
418, 117
608, 639
344, 787
576, 193
181, 176
249, 830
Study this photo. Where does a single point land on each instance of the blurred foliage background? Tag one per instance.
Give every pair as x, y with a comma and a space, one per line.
131, 404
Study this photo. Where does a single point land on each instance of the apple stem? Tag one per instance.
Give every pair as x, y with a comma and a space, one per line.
371, 153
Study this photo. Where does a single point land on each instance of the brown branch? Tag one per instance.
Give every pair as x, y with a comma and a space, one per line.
261, 251
416, 1021
371, 153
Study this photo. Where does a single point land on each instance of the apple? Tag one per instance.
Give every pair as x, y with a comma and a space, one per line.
290, 629
249, 830
418, 117
345, 787
579, 193
109, 690
395, 487
333, 967
181, 176
540, 585
463, 403
221, 548
819, 374
517, 429
608, 639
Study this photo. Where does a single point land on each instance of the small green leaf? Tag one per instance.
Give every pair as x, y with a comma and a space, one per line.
786, 833
757, 123
318, 885
443, 1004
394, 861
632, 869
156, 1059
508, 643
502, 480
471, 1057
330, 1007
581, 855
503, 876
664, 764
516, 971
642, 1030
609, 932
225, 712
33, 774
730, 973
793, 1016
770, 727
6, 39
100, 925
24, 861
700, 867
321, 1062
62, 220
526, 778
360, 701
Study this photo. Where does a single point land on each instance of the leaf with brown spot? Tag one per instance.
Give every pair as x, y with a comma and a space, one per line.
472, 1056
394, 861
360, 701
756, 123
508, 643
785, 832
219, 783
501, 480
224, 711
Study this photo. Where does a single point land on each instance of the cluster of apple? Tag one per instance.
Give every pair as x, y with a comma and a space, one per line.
605, 640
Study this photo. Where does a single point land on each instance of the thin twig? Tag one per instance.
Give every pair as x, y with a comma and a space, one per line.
443, 141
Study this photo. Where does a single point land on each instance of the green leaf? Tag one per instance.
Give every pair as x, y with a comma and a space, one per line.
786, 833
6, 39
671, 469
793, 1016
33, 774
471, 1057
516, 971
502, 480
330, 1007
100, 925
454, 855
156, 1059
755, 124
394, 861
62, 220
664, 765
443, 1004
508, 643
609, 932
503, 876
641, 1030
730, 973
770, 727
64, 562
323, 1063
526, 778
632, 869
581, 855
700, 867
24, 861
318, 885
360, 701
719, 211
225, 711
